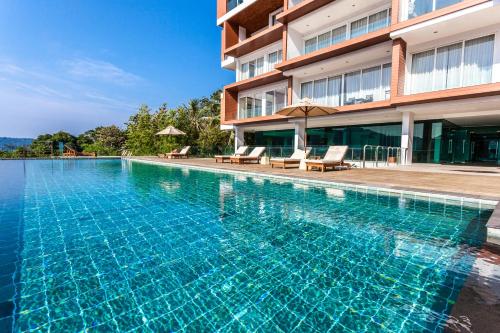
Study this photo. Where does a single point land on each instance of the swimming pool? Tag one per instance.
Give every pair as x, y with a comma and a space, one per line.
120, 246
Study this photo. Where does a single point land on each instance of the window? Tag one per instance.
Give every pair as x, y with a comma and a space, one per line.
259, 104
420, 7
306, 90
352, 87
251, 69
361, 86
279, 99
334, 90
458, 65
273, 59
275, 101
386, 81
357, 28
324, 40
421, 71
244, 71
269, 103
339, 35
260, 65
378, 21
310, 45
478, 60
447, 68
320, 91
370, 81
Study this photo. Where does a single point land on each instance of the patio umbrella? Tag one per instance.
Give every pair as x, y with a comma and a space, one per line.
306, 108
171, 131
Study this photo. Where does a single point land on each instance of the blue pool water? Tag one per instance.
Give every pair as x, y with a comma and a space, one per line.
120, 246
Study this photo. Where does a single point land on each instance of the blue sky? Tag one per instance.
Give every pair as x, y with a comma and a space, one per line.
75, 64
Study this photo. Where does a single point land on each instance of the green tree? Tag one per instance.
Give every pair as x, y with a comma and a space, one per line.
104, 141
141, 133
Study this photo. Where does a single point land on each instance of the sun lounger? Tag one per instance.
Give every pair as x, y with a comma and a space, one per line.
226, 158
253, 157
334, 157
184, 153
293, 160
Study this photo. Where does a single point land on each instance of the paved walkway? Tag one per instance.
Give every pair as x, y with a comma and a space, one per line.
471, 184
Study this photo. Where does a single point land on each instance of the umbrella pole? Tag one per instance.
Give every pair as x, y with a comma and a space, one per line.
305, 132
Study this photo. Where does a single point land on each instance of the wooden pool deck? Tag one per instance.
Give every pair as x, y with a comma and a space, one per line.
441, 180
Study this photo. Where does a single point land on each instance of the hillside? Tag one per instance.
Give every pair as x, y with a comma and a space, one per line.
7, 144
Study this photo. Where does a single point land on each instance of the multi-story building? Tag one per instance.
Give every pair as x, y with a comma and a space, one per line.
423, 75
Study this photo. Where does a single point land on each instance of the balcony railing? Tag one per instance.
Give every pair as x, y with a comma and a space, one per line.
415, 8
292, 3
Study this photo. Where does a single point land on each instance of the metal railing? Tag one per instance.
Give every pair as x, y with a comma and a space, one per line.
382, 155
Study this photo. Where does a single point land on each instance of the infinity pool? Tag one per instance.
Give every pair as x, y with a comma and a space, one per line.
120, 246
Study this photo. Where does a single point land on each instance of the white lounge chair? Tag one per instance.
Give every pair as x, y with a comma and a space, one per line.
293, 160
253, 157
226, 158
334, 157
184, 153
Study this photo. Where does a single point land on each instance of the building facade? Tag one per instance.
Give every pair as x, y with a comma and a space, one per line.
423, 75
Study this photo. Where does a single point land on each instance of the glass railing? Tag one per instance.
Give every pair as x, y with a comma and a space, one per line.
232, 4
292, 3
421, 7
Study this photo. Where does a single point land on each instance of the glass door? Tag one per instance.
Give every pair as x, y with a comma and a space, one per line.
485, 149
459, 146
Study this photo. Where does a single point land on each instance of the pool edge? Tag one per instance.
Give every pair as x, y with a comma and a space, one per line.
493, 227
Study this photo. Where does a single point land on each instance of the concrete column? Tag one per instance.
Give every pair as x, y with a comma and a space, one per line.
407, 138
239, 137
300, 132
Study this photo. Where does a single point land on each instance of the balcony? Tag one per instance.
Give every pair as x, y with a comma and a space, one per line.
252, 15
360, 86
343, 48
263, 62
460, 18
257, 41
464, 63
257, 81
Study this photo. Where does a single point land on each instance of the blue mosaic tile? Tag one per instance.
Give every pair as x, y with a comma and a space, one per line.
104, 246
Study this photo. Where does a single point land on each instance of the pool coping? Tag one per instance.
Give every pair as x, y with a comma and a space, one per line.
493, 224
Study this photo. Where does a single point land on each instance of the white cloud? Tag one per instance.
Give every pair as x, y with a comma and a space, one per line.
100, 70
34, 101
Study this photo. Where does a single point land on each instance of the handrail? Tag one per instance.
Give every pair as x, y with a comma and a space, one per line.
390, 152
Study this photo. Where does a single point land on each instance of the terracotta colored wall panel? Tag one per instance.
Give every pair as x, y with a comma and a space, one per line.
483, 90
395, 11
398, 67
229, 106
265, 37
231, 34
221, 8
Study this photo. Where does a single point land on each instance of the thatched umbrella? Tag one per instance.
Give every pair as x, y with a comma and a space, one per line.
171, 131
